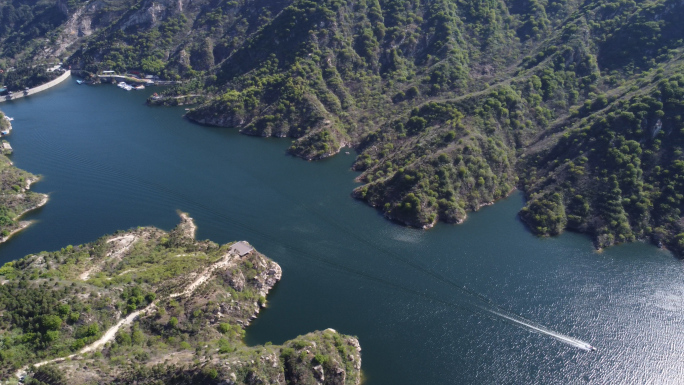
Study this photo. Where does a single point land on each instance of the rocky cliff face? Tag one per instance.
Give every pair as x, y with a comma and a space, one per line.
82, 22
150, 13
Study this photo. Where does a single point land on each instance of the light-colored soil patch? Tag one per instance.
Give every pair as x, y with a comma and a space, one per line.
121, 245
109, 335
225, 262
187, 226
23, 371
111, 332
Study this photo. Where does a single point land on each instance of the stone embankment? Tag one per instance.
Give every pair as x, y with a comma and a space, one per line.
35, 90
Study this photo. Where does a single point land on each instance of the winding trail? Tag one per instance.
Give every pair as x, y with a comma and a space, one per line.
124, 243
110, 334
225, 262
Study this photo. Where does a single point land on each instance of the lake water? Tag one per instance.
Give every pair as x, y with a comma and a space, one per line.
423, 303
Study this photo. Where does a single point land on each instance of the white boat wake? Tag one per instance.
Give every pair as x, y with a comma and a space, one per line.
484, 304
574, 342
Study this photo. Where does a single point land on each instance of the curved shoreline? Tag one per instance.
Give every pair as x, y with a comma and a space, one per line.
188, 228
38, 89
24, 224
21, 225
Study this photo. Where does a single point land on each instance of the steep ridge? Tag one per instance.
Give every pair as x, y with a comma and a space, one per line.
451, 105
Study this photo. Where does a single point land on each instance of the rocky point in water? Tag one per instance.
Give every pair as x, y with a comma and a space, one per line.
149, 306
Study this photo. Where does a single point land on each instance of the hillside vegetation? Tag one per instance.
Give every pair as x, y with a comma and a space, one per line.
150, 307
450, 104
15, 196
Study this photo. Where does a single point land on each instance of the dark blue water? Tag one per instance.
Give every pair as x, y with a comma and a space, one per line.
109, 162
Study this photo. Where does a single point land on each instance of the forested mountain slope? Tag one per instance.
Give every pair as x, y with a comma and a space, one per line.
450, 104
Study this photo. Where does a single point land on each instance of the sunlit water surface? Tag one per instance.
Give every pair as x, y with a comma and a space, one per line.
109, 162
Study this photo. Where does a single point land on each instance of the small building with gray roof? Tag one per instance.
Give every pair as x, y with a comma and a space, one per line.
241, 248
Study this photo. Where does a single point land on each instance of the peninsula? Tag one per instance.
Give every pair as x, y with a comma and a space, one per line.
149, 306
15, 197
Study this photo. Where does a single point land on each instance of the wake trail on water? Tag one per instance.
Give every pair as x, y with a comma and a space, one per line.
483, 306
519, 321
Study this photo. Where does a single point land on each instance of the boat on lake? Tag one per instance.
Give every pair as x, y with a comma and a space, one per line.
125, 86
79, 81
139, 87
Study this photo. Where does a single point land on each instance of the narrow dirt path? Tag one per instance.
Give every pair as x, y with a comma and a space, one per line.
123, 244
225, 262
110, 334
